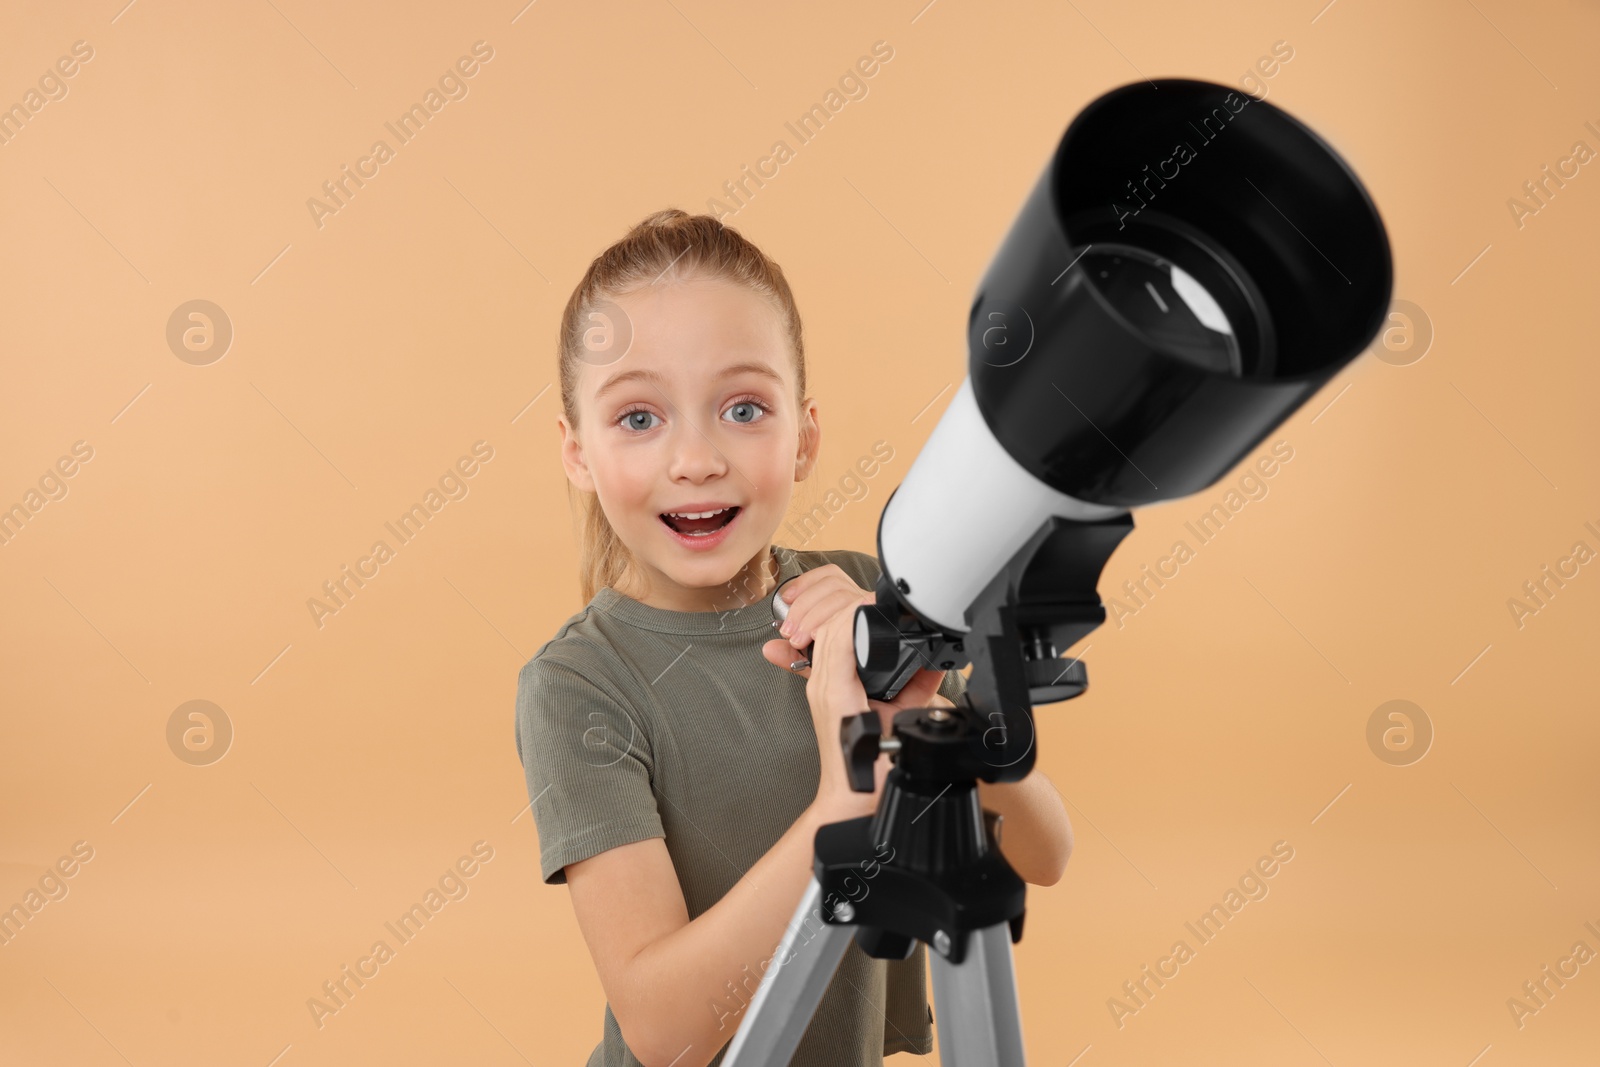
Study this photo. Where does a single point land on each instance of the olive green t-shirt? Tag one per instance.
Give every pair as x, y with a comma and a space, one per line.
637, 722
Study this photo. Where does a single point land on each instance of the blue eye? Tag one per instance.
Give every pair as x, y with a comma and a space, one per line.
627, 417
751, 410
754, 408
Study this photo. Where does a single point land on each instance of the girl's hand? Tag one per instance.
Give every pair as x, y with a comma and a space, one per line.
835, 692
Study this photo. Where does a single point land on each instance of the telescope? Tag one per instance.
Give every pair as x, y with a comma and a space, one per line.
1192, 265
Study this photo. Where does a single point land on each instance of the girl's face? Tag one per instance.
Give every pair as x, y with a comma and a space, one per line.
699, 415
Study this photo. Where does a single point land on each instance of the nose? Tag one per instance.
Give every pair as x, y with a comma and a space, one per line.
694, 457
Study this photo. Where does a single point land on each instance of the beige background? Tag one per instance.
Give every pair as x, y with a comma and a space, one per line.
370, 353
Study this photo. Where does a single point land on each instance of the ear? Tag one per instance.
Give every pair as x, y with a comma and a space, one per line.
810, 440
572, 457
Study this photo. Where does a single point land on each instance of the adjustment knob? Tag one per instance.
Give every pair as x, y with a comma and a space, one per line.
1052, 680
877, 641
861, 736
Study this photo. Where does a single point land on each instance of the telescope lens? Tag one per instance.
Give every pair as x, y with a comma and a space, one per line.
1167, 304
1141, 329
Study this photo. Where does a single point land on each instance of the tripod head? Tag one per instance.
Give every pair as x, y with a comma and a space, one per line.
1042, 600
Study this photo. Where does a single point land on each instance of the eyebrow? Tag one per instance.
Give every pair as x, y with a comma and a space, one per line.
655, 376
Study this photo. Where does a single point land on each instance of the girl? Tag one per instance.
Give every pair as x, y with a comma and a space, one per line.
679, 755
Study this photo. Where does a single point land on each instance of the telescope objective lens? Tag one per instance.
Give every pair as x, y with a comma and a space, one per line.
1166, 304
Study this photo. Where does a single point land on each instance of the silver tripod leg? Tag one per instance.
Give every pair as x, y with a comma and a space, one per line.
976, 1003
767, 1037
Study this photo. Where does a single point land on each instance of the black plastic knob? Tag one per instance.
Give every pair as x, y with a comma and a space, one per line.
1053, 680
877, 642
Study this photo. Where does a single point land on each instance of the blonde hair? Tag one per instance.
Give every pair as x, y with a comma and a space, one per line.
669, 245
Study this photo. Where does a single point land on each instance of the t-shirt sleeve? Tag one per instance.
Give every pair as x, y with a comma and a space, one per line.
588, 766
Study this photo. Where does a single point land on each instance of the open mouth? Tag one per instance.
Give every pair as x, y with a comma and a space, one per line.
700, 527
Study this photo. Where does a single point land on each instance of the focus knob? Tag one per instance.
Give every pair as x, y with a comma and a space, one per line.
877, 642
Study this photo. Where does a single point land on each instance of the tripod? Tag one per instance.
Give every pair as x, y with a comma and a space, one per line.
944, 881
